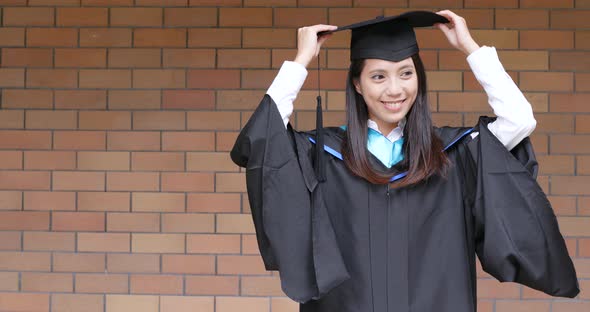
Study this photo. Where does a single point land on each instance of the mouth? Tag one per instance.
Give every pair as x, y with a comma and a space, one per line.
393, 105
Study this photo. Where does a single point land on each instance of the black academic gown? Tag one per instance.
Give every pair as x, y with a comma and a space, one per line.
347, 245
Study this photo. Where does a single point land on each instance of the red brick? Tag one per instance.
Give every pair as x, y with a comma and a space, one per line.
190, 17
188, 141
103, 161
188, 99
28, 16
546, 39
158, 202
80, 57
158, 78
582, 125
107, 2
574, 61
245, 265
227, 304
225, 141
345, 16
47, 282
24, 261
489, 288
188, 223
57, 120
80, 99
157, 161
546, 3
261, 286
136, 57
54, 2
9, 281
210, 162
79, 140
570, 185
20, 302
49, 160
269, 38
124, 303
298, 17
156, 284
556, 164
165, 38
214, 38
212, 285
213, 244
52, 37
213, 202
77, 302
78, 180
24, 180
554, 123
183, 58
569, 103
214, 78
187, 182
12, 119
158, 243
133, 263
582, 39
104, 120
488, 3
522, 306
325, 3
546, 81
12, 37
134, 99
132, 181
21, 220
133, 222
52, 78
403, 3
186, 304
102, 283
11, 160
570, 306
27, 98
133, 141
106, 242
161, 2
159, 120
78, 262
570, 19
239, 99
249, 245
583, 165
78, 221
213, 120
12, 77
243, 17
82, 17
103, 201
105, 37
501, 39
49, 200
105, 78
243, 58
522, 18
136, 17
27, 57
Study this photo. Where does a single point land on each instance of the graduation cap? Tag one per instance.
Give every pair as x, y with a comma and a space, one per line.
387, 38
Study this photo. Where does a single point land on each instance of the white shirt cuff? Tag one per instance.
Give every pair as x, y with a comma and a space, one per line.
286, 86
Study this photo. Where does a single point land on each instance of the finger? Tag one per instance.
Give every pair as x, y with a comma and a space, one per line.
323, 27
323, 38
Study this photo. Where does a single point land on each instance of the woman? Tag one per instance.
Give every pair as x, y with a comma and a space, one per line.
393, 217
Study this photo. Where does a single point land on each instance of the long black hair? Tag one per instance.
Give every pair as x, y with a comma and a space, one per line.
423, 156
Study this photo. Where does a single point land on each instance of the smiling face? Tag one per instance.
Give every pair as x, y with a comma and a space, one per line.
389, 90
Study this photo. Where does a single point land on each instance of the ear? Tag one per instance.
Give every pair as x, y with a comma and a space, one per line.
357, 86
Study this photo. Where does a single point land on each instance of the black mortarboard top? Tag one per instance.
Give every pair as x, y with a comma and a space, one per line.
389, 38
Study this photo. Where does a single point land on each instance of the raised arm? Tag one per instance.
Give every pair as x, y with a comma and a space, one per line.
292, 74
515, 116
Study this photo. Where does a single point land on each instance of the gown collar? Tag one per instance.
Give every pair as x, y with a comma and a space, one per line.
388, 149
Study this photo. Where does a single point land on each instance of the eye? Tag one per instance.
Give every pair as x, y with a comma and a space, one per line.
378, 77
407, 74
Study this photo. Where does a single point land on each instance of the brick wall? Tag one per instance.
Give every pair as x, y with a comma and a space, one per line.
116, 189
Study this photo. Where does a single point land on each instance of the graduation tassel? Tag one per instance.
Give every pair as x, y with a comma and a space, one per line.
320, 157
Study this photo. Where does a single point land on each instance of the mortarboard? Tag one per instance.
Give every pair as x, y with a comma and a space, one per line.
389, 38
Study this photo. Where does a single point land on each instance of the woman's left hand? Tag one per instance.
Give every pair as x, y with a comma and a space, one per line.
457, 32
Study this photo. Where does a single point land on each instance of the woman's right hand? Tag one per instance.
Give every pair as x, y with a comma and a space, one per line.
309, 43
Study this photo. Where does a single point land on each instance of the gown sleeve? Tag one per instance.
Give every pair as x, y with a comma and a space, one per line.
294, 232
517, 237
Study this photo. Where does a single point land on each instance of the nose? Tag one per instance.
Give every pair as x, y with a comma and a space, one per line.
394, 88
